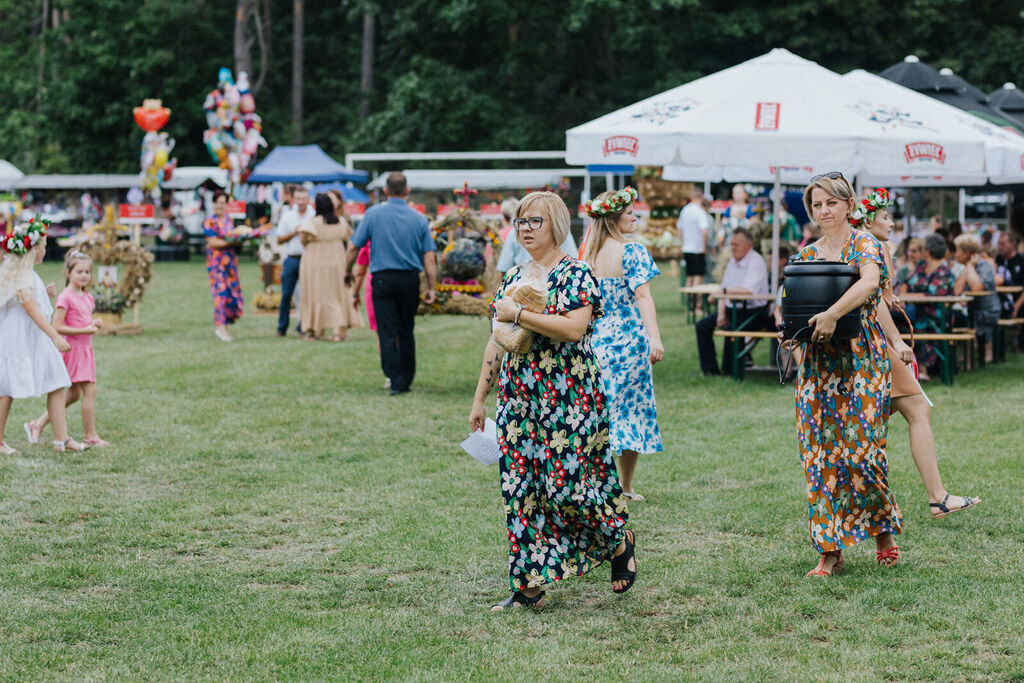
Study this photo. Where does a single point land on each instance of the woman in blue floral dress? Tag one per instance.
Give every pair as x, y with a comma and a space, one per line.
564, 507
626, 338
843, 392
222, 267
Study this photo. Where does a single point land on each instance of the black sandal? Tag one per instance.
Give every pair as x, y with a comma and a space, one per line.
517, 599
620, 564
944, 510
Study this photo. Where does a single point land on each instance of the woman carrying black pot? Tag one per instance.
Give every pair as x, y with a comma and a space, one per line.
842, 398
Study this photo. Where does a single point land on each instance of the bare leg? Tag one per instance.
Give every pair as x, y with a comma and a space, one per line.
88, 408
918, 415
627, 466
5, 410
73, 394
55, 407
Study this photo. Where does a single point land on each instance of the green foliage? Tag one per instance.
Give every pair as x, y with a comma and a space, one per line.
455, 74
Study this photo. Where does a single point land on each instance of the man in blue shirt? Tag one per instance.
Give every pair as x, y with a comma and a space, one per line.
401, 248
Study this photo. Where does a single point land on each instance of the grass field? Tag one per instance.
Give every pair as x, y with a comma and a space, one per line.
269, 512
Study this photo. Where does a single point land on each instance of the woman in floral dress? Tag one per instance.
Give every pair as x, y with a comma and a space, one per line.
842, 402
932, 277
626, 338
564, 506
222, 267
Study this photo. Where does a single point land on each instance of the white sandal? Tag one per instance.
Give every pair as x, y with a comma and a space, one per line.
635, 497
6, 450
69, 445
30, 428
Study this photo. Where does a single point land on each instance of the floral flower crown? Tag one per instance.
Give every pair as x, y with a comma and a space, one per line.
615, 204
866, 209
20, 239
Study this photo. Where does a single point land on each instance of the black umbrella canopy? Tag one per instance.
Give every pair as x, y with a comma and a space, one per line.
1008, 98
947, 87
914, 74
1010, 101
950, 81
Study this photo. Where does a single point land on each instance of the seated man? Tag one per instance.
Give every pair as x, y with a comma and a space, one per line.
746, 273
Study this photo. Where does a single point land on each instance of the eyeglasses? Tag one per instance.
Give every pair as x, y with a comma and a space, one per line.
532, 223
831, 175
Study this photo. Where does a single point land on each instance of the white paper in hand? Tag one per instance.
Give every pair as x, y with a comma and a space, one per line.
483, 445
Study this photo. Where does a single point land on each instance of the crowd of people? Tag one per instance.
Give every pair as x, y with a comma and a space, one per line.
576, 408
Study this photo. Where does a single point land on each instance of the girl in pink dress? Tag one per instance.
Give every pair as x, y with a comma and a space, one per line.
72, 318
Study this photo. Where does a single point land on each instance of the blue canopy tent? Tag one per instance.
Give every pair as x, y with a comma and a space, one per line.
288, 164
349, 194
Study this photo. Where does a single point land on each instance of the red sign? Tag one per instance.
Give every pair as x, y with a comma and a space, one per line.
924, 150
445, 209
490, 210
419, 208
137, 213
719, 205
767, 116
355, 210
621, 144
236, 209
641, 208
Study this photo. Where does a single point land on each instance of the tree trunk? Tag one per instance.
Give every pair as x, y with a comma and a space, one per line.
297, 57
264, 33
243, 56
366, 81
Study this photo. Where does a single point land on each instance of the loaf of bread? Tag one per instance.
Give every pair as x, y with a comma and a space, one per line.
532, 295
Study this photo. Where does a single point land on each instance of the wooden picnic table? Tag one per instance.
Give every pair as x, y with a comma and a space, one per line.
692, 292
736, 325
941, 331
1009, 289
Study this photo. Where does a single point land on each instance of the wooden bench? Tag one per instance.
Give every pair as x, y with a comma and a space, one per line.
946, 343
736, 367
999, 338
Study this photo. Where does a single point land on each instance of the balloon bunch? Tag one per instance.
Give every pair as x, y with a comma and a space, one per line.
157, 166
233, 128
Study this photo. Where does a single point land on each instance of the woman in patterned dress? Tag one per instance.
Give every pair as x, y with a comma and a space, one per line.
842, 401
222, 266
932, 277
626, 338
563, 503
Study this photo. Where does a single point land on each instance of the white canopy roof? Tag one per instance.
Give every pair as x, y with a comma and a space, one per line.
775, 110
84, 181
504, 179
9, 174
191, 177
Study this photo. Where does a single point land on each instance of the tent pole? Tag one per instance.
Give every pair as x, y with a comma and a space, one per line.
776, 219
586, 189
961, 206
609, 181
707, 189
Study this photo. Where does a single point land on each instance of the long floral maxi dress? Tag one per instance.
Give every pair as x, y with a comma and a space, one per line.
222, 266
624, 353
842, 410
563, 501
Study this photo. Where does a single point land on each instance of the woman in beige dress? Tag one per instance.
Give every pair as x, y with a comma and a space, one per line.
326, 301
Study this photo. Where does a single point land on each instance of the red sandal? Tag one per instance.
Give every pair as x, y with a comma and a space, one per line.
888, 557
836, 568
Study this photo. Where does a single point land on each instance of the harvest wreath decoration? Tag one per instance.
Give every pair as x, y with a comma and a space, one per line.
105, 249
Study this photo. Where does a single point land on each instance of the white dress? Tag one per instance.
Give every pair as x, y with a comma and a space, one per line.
30, 364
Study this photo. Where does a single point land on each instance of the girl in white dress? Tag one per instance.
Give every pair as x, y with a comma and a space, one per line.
30, 347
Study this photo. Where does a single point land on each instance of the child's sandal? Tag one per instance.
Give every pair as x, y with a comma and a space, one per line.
33, 431
6, 450
69, 445
96, 442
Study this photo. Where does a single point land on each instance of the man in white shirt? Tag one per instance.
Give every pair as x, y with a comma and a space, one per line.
693, 225
288, 235
746, 273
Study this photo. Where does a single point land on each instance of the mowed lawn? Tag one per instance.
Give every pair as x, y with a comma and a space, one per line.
268, 511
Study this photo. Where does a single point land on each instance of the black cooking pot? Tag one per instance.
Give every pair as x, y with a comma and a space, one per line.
812, 287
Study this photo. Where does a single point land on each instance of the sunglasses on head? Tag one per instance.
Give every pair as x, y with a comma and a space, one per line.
831, 175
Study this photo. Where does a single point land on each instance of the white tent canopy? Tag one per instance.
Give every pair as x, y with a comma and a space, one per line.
9, 175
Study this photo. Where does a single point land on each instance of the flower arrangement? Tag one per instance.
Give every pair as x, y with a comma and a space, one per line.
108, 300
865, 210
615, 204
21, 239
